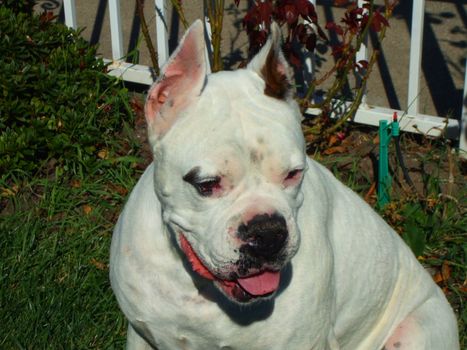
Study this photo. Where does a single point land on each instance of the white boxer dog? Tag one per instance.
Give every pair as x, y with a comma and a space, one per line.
234, 239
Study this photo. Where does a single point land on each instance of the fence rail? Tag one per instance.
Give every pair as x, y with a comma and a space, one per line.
412, 120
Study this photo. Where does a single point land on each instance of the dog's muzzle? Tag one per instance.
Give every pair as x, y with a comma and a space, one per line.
265, 237
257, 272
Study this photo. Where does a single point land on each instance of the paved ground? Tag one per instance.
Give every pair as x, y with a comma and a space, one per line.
444, 51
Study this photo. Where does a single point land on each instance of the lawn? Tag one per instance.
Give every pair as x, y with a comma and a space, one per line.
72, 146
54, 264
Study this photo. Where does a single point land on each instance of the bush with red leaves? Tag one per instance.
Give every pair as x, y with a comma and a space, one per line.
299, 16
303, 30
302, 33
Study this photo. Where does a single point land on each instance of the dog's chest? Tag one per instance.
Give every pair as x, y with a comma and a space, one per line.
199, 333
194, 322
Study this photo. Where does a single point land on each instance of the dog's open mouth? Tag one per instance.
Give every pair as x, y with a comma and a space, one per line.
244, 289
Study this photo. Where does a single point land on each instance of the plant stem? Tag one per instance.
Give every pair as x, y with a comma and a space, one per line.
147, 37
346, 61
342, 75
358, 98
215, 9
177, 5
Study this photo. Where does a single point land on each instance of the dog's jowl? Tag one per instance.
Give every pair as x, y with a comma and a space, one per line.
234, 239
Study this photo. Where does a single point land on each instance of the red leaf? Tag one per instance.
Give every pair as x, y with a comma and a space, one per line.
378, 22
341, 2
363, 63
335, 28
290, 14
295, 60
353, 19
237, 2
47, 16
361, 66
265, 11
337, 50
306, 10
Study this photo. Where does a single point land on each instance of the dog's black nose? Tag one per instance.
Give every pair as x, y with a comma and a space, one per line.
264, 236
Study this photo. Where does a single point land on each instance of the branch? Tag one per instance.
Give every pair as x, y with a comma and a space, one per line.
374, 56
177, 5
147, 37
215, 9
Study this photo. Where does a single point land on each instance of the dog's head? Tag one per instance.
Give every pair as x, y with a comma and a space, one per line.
229, 161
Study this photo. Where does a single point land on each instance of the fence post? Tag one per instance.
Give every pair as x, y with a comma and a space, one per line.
416, 45
161, 33
116, 29
362, 54
69, 7
208, 53
310, 59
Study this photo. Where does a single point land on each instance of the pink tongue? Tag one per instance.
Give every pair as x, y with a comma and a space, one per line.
264, 283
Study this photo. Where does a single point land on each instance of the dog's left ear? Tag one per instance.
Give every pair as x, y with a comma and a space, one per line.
270, 64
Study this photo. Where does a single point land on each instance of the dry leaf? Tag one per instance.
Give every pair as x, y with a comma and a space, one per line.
445, 271
463, 288
443, 274
369, 196
310, 138
431, 202
333, 150
119, 189
376, 140
103, 153
333, 139
438, 277
75, 183
87, 209
9, 192
98, 264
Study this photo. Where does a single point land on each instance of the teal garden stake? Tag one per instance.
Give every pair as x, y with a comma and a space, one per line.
386, 132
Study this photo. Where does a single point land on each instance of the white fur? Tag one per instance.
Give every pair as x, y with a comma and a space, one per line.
351, 282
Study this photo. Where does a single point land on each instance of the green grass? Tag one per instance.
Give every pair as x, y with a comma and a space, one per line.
54, 264
66, 164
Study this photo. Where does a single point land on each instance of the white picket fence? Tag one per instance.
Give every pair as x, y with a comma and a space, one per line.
413, 120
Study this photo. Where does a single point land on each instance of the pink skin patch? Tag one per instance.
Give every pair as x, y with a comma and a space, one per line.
258, 209
246, 288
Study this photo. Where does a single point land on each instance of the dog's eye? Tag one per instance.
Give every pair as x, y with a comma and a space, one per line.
293, 176
208, 187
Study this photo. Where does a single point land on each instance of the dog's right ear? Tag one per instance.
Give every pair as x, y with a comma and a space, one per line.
181, 80
270, 64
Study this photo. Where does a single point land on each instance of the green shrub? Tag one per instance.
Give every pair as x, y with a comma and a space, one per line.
56, 102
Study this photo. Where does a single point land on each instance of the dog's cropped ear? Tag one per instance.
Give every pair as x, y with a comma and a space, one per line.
270, 64
181, 80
